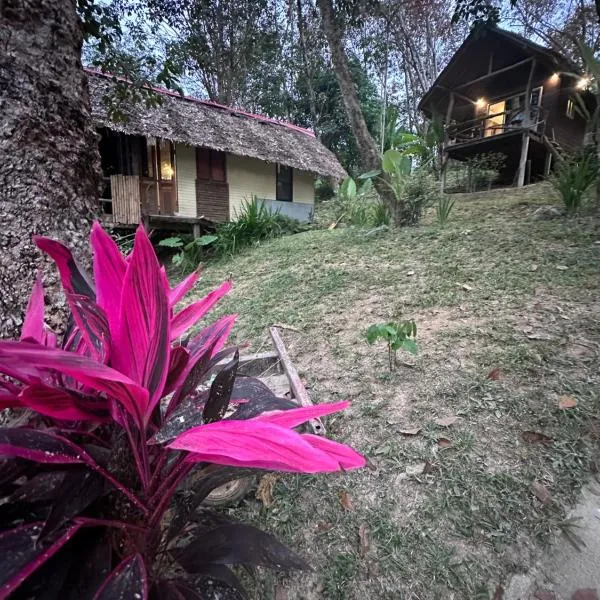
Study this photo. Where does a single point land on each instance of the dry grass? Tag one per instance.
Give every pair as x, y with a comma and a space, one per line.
494, 289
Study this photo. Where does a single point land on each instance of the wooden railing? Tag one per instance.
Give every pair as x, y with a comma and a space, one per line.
482, 127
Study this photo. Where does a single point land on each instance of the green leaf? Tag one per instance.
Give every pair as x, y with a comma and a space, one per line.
171, 242
205, 240
409, 346
348, 188
370, 174
391, 160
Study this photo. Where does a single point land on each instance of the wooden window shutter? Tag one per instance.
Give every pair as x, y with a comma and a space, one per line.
217, 166
203, 163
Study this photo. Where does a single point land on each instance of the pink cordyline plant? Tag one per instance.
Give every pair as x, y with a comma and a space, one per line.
119, 414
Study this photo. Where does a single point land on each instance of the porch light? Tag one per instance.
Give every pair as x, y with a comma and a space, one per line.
555, 78
583, 83
480, 103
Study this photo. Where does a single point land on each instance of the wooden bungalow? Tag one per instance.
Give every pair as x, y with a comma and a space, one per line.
503, 93
187, 161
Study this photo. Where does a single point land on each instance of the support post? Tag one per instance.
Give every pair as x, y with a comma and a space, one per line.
523, 159
527, 107
548, 163
446, 140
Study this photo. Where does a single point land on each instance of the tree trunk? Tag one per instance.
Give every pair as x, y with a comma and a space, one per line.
367, 147
48, 147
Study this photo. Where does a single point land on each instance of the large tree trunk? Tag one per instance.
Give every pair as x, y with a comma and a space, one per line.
367, 147
48, 147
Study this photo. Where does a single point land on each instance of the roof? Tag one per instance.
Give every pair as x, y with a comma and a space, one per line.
206, 124
550, 57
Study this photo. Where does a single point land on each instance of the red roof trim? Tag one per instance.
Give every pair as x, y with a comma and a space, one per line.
166, 92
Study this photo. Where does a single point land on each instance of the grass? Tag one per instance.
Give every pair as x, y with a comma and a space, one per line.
488, 291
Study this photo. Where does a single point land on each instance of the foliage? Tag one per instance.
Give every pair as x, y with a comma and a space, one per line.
398, 335
359, 205
443, 209
115, 418
572, 177
476, 173
190, 251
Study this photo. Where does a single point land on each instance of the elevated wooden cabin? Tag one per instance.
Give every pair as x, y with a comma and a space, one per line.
503, 93
189, 161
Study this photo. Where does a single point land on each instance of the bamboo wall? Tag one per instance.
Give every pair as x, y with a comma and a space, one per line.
125, 191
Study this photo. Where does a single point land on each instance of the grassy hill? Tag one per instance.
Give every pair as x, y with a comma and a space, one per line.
508, 313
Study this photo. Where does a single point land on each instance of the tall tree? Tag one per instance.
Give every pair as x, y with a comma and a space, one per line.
367, 146
48, 150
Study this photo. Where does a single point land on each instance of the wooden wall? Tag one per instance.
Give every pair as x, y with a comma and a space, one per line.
126, 199
212, 200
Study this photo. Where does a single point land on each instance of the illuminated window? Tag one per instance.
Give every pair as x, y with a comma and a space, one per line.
570, 108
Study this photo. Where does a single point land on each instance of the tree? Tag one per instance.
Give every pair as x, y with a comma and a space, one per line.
367, 146
48, 152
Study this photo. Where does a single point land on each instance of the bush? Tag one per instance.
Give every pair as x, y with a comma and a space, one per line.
255, 223
419, 190
443, 209
572, 177
359, 205
115, 419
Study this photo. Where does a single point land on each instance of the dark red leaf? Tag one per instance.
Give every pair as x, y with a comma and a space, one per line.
93, 325
177, 363
38, 446
91, 567
22, 553
127, 582
237, 544
220, 391
79, 488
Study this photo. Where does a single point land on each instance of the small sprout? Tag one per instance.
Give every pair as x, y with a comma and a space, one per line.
399, 336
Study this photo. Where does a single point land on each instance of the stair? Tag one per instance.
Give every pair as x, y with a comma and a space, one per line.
554, 148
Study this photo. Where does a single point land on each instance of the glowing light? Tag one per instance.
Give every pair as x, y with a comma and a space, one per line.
583, 83
480, 102
555, 78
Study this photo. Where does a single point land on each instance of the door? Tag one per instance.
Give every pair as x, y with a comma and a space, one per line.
158, 184
494, 124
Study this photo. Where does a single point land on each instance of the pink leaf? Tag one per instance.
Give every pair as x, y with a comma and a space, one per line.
179, 291
256, 444
60, 404
142, 343
109, 273
33, 325
296, 416
191, 314
346, 456
22, 358
73, 278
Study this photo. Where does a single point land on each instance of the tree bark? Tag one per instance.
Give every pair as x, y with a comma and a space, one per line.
367, 147
48, 147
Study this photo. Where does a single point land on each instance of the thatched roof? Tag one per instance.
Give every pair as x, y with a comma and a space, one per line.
205, 124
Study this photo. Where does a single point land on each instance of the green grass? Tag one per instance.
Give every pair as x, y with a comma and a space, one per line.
486, 294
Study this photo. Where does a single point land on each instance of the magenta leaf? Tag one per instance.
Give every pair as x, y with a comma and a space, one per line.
191, 314
344, 455
23, 552
16, 356
109, 273
142, 344
220, 391
177, 363
180, 290
237, 544
62, 404
255, 444
128, 581
74, 279
297, 416
92, 323
38, 446
33, 324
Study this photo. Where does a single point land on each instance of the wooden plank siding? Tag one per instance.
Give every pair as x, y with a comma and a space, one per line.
125, 191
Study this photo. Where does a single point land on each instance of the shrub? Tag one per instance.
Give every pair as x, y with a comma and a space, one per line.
113, 421
443, 209
572, 177
359, 205
190, 251
399, 336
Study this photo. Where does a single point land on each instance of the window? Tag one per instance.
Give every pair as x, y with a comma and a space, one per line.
210, 165
284, 189
157, 159
570, 108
